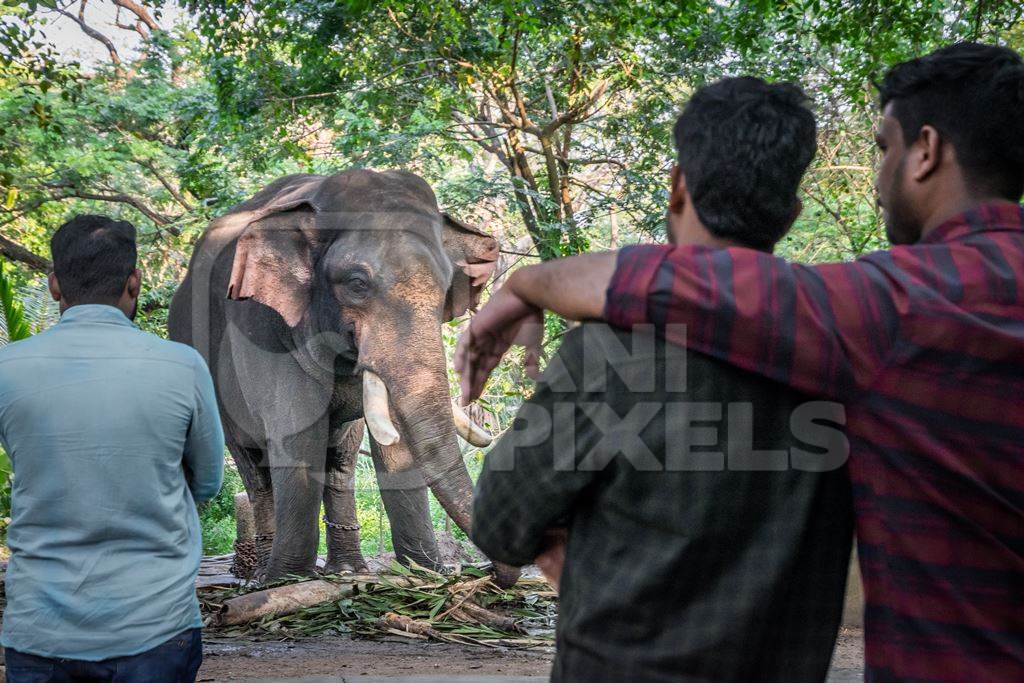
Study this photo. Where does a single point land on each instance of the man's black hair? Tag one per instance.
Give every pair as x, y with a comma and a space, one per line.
973, 95
92, 258
743, 146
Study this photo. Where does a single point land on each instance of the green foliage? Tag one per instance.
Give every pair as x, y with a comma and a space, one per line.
13, 326
217, 518
418, 595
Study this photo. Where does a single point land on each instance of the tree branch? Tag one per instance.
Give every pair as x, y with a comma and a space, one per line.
159, 219
178, 197
600, 161
95, 35
16, 252
573, 114
140, 12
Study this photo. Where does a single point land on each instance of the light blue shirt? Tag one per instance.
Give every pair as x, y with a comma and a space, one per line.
114, 435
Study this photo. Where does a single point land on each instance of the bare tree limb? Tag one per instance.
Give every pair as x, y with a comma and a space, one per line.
573, 114
551, 100
140, 12
598, 161
88, 30
16, 252
160, 220
178, 197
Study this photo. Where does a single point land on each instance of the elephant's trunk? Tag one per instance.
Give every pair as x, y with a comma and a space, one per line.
427, 420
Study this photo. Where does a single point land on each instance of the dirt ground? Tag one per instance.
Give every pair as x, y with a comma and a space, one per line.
236, 660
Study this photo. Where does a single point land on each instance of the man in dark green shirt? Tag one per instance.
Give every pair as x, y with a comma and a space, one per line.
708, 510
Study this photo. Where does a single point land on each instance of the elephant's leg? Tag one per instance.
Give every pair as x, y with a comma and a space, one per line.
297, 465
262, 501
405, 500
252, 468
343, 551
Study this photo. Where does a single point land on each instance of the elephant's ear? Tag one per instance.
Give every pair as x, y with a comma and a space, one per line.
474, 257
274, 262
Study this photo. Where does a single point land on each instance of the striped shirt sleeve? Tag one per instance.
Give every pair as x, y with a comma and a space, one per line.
825, 329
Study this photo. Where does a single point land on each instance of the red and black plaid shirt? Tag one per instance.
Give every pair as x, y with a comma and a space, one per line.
924, 344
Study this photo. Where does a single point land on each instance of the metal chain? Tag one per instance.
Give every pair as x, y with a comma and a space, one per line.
335, 525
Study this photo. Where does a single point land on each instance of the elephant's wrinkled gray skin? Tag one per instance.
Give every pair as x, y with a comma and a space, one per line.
291, 297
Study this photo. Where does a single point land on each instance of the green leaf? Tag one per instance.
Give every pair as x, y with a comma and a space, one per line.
14, 327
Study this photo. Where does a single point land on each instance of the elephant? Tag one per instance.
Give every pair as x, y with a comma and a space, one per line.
318, 306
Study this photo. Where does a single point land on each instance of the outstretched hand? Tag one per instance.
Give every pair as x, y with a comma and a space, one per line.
505, 320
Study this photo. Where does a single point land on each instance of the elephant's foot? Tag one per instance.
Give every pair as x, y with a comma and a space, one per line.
252, 556
343, 551
246, 562
281, 567
352, 562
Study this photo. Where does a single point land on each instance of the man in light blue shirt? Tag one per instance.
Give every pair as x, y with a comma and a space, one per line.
114, 437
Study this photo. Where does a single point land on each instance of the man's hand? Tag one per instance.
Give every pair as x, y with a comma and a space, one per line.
552, 559
573, 288
505, 320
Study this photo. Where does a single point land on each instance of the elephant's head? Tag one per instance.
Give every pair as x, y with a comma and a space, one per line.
368, 258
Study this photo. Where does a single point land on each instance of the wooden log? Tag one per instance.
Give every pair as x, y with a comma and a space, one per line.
471, 612
280, 601
284, 600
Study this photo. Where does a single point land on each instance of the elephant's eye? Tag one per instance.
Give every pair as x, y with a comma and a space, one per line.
356, 282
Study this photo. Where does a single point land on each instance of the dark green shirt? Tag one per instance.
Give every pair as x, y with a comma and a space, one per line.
701, 547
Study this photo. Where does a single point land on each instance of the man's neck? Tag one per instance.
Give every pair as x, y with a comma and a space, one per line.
691, 232
124, 307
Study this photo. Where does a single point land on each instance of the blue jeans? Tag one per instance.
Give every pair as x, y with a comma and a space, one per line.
175, 661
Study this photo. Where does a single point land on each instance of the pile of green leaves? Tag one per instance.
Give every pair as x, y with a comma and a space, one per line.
531, 603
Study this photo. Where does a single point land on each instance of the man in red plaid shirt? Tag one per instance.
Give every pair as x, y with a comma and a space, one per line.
924, 343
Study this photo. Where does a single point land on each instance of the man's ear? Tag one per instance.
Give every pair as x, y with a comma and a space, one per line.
134, 284
51, 281
925, 155
677, 191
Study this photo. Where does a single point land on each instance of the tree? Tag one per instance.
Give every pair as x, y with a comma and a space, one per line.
544, 87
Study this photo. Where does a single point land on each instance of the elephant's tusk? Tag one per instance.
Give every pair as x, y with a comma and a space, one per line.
375, 410
469, 430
